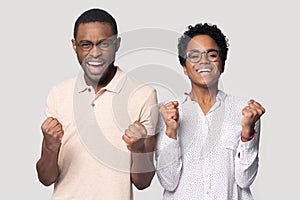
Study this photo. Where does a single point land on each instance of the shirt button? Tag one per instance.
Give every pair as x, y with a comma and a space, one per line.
89, 89
93, 104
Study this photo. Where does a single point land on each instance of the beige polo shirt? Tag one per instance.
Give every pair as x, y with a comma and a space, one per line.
94, 162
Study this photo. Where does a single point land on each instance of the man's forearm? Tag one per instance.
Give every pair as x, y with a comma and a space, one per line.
142, 180
47, 166
142, 169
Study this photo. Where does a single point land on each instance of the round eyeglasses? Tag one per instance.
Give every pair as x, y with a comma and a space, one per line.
194, 56
87, 46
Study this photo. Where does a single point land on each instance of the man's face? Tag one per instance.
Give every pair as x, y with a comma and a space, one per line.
207, 70
96, 61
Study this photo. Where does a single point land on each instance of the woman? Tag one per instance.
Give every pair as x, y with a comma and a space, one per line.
208, 140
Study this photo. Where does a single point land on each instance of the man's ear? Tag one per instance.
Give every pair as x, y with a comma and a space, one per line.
118, 42
74, 45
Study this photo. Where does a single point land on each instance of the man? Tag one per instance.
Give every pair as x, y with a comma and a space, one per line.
208, 140
86, 151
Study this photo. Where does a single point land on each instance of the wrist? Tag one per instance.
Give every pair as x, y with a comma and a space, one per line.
247, 137
52, 148
248, 129
141, 149
171, 133
138, 147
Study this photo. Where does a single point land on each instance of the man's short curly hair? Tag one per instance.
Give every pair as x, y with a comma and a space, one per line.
95, 15
202, 29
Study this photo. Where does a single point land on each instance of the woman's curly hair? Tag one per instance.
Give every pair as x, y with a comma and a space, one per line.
202, 29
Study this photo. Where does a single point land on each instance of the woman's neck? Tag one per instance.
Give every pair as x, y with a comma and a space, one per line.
205, 97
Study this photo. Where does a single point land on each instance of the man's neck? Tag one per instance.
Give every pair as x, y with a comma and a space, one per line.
107, 77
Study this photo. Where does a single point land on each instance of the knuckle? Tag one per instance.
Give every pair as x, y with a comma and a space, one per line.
47, 129
248, 114
131, 126
124, 138
161, 109
50, 132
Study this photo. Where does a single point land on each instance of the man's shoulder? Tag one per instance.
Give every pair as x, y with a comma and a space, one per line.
65, 84
64, 87
138, 86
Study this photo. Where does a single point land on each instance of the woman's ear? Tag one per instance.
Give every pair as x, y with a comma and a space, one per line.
184, 70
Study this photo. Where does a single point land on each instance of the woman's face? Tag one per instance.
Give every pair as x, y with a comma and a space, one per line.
203, 65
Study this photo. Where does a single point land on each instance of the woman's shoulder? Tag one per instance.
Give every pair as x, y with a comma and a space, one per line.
236, 100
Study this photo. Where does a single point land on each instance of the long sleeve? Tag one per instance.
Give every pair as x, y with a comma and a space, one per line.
246, 161
168, 159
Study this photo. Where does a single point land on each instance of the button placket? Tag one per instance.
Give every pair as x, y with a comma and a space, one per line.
207, 177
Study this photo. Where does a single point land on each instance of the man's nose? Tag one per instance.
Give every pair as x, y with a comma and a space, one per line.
95, 51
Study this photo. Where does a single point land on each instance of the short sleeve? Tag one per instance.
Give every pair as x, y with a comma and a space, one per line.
149, 112
51, 104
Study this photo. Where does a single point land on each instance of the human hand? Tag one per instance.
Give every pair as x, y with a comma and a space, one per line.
170, 113
251, 114
53, 133
135, 136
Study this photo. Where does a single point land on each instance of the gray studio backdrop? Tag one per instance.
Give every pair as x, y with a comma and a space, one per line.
36, 53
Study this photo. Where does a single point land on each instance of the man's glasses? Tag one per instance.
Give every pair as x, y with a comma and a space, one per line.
194, 56
102, 45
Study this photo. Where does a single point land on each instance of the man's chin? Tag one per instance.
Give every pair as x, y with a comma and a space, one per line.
96, 77
93, 78
95, 74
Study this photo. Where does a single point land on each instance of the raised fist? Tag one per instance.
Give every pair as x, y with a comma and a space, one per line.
135, 136
53, 133
169, 111
251, 115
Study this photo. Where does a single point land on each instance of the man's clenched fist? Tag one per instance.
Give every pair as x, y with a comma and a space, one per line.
53, 133
135, 136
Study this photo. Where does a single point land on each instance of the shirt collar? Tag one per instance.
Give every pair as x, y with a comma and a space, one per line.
115, 85
220, 97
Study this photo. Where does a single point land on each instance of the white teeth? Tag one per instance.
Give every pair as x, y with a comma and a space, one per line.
203, 70
95, 63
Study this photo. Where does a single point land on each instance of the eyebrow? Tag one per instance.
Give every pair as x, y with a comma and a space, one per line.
88, 41
194, 50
